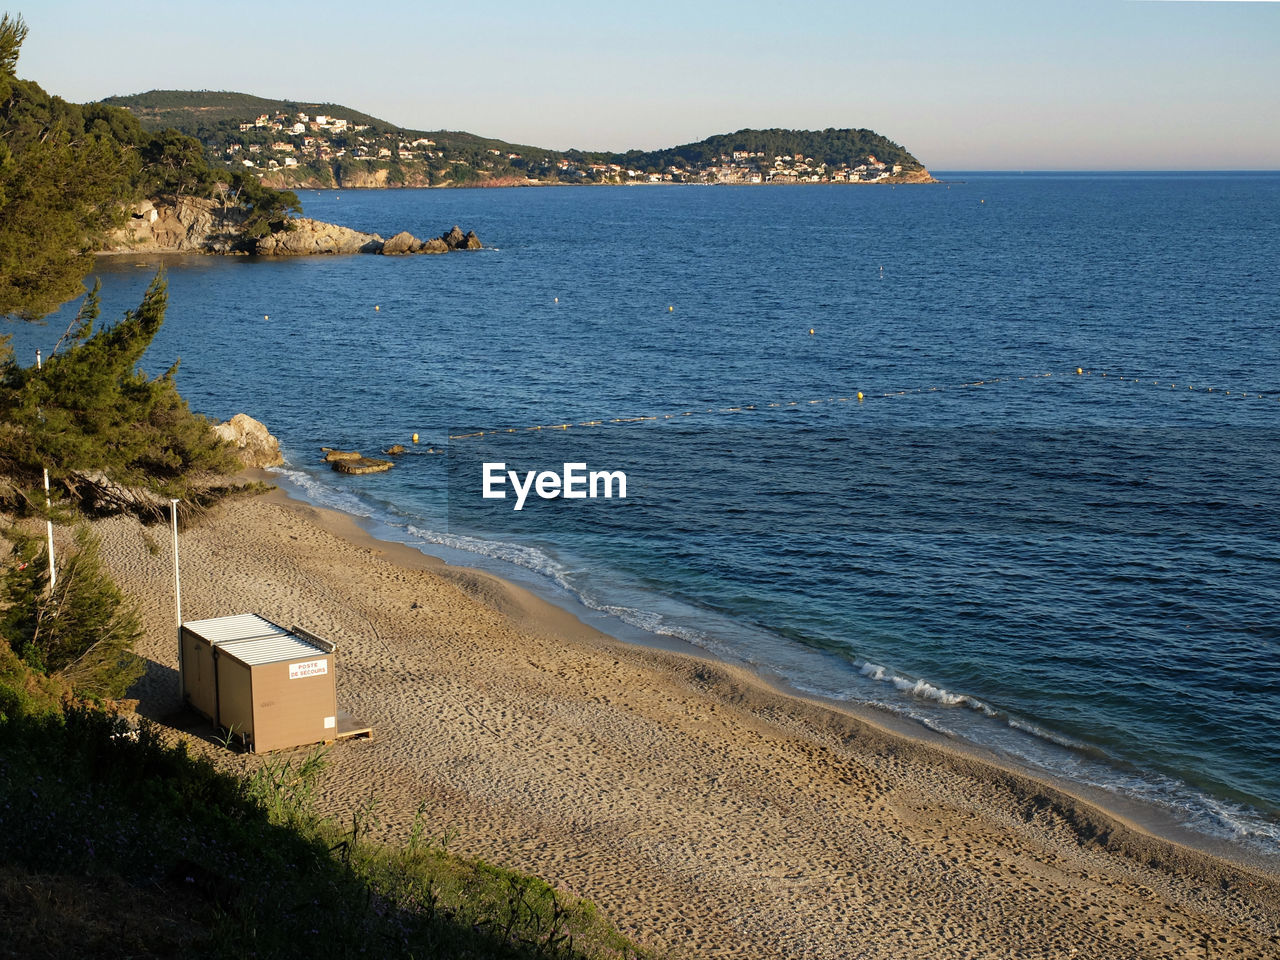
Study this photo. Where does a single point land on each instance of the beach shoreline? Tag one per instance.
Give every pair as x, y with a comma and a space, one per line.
705, 811
1146, 815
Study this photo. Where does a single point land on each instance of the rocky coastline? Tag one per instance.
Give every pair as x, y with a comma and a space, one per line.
198, 225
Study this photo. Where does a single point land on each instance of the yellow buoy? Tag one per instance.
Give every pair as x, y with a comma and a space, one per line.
265, 317
671, 309
1079, 370
415, 438
811, 331
859, 396
376, 307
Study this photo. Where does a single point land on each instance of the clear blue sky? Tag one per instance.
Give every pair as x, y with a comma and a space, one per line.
963, 84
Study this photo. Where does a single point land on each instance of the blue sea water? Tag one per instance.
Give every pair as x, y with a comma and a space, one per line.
1079, 570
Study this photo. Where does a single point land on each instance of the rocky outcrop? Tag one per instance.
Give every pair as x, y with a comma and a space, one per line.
197, 225
352, 461
402, 242
254, 444
184, 225
306, 237
362, 465
915, 176
455, 239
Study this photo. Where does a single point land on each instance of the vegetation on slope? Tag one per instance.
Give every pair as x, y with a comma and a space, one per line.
224, 123
67, 172
831, 146
114, 844
110, 436
81, 629
61, 183
215, 117
191, 111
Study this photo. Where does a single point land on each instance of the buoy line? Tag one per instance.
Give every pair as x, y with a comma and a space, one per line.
1173, 385
860, 397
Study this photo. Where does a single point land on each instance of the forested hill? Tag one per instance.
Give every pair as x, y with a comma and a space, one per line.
189, 110
215, 117
305, 144
833, 147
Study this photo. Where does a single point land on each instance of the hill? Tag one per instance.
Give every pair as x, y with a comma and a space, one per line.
291, 143
188, 110
832, 147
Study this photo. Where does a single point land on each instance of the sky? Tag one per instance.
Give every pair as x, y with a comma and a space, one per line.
962, 84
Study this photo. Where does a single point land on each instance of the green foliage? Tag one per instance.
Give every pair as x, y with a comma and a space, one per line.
83, 630
67, 173
13, 31
186, 110
831, 146
243, 866
91, 411
268, 210
60, 189
25, 692
175, 166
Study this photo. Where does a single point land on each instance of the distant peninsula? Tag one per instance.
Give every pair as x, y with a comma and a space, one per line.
294, 145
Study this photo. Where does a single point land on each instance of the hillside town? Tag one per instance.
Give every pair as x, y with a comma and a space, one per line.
741, 166
281, 141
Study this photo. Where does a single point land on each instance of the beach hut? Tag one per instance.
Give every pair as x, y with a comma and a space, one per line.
271, 687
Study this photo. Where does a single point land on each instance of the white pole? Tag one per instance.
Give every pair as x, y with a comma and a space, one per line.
177, 591
48, 506
48, 526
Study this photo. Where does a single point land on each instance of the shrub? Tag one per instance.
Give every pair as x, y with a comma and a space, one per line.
83, 630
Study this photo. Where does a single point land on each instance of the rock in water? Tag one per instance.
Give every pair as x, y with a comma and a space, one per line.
402, 242
362, 465
254, 445
200, 225
307, 237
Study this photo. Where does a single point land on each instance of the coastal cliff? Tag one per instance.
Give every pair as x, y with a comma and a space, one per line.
198, 225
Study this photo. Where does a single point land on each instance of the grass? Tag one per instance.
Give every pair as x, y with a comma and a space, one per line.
112, 843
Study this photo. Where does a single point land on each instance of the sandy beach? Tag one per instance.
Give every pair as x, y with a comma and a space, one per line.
706, 813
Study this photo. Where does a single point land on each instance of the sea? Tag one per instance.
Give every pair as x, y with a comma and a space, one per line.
996, 457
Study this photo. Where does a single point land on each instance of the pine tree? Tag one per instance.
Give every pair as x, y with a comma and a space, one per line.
90, 413
60, 189
83, 630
